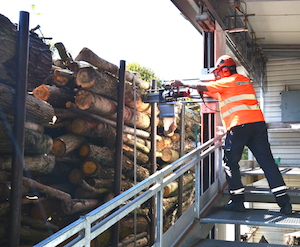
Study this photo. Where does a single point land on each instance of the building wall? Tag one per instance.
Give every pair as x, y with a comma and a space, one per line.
282, 75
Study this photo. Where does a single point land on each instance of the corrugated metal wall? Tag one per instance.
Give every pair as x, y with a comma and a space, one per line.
282, 74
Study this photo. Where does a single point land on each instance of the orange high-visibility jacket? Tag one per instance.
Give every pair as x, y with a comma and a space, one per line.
237, 98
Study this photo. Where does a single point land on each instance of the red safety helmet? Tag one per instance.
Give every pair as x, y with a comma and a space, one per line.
224, 67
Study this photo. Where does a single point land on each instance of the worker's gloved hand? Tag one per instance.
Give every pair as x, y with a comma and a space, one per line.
176, 83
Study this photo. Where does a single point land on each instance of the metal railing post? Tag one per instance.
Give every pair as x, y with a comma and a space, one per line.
19, 129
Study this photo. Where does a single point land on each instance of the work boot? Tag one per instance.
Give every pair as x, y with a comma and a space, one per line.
235, 207
286, 209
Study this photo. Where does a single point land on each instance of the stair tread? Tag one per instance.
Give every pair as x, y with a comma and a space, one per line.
221, 243
266, 190
285, 171
256, 217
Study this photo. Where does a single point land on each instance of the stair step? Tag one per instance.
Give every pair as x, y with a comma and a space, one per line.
255, 217
220, 243
263, 194
285, 171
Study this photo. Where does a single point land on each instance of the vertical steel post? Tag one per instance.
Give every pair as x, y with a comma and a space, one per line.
119, 144
153, 166
182, 139
18, 129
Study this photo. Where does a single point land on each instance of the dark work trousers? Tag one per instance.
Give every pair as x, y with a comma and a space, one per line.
255, 137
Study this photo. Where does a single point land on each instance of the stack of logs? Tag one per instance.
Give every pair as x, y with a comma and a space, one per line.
70, 135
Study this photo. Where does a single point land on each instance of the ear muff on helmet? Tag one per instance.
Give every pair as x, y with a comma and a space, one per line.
226, 71
225, 66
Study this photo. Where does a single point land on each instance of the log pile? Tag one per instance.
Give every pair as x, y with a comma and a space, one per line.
70, 136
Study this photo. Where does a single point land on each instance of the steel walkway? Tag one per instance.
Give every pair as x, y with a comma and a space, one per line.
219, 243
255, 217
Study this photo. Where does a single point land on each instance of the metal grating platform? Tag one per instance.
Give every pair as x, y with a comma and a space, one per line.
255, 217
220, 243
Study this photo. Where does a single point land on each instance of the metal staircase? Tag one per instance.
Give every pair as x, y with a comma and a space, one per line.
258, 192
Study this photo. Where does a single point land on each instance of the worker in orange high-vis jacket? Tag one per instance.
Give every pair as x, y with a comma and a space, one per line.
245, 125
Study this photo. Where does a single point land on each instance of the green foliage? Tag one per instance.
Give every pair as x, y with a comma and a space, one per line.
145, 73
245, 154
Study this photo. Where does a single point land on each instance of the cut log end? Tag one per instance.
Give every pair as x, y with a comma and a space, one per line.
84, 150
85, 77
41, 92
84, 100
89, 167
58, 148
77, 126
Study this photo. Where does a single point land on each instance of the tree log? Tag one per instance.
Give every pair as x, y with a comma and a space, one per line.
92, 168
84, 127
63, 77
126, 129
169, 143
37, 111
34, 142
170, 202
103, 106
141, 157
87, 55
102, 155
95, 103
39, 62
107, 183
88, 187
39, 163
173, 186
99, 82
55, 96
83, 193
75, 176
129, 241
28, 235
66, 143
169, 155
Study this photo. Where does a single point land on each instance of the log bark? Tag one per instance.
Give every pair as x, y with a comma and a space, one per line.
103, 106
95, 103
40, 59
39, 163
102, 155
169, 143
107, 183
89, 56
173, 186
33, 236
83, 193
66, 143
37, 111
55, 96
84, 127
170, 202
88, 187
141, 240
126, 129
141, 157
75, 176
34, 142
99, 82
92, 168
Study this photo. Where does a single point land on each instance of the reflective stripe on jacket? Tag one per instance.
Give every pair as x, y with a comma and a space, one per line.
237, 98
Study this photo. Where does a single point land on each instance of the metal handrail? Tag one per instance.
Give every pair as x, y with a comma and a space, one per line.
87, 226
